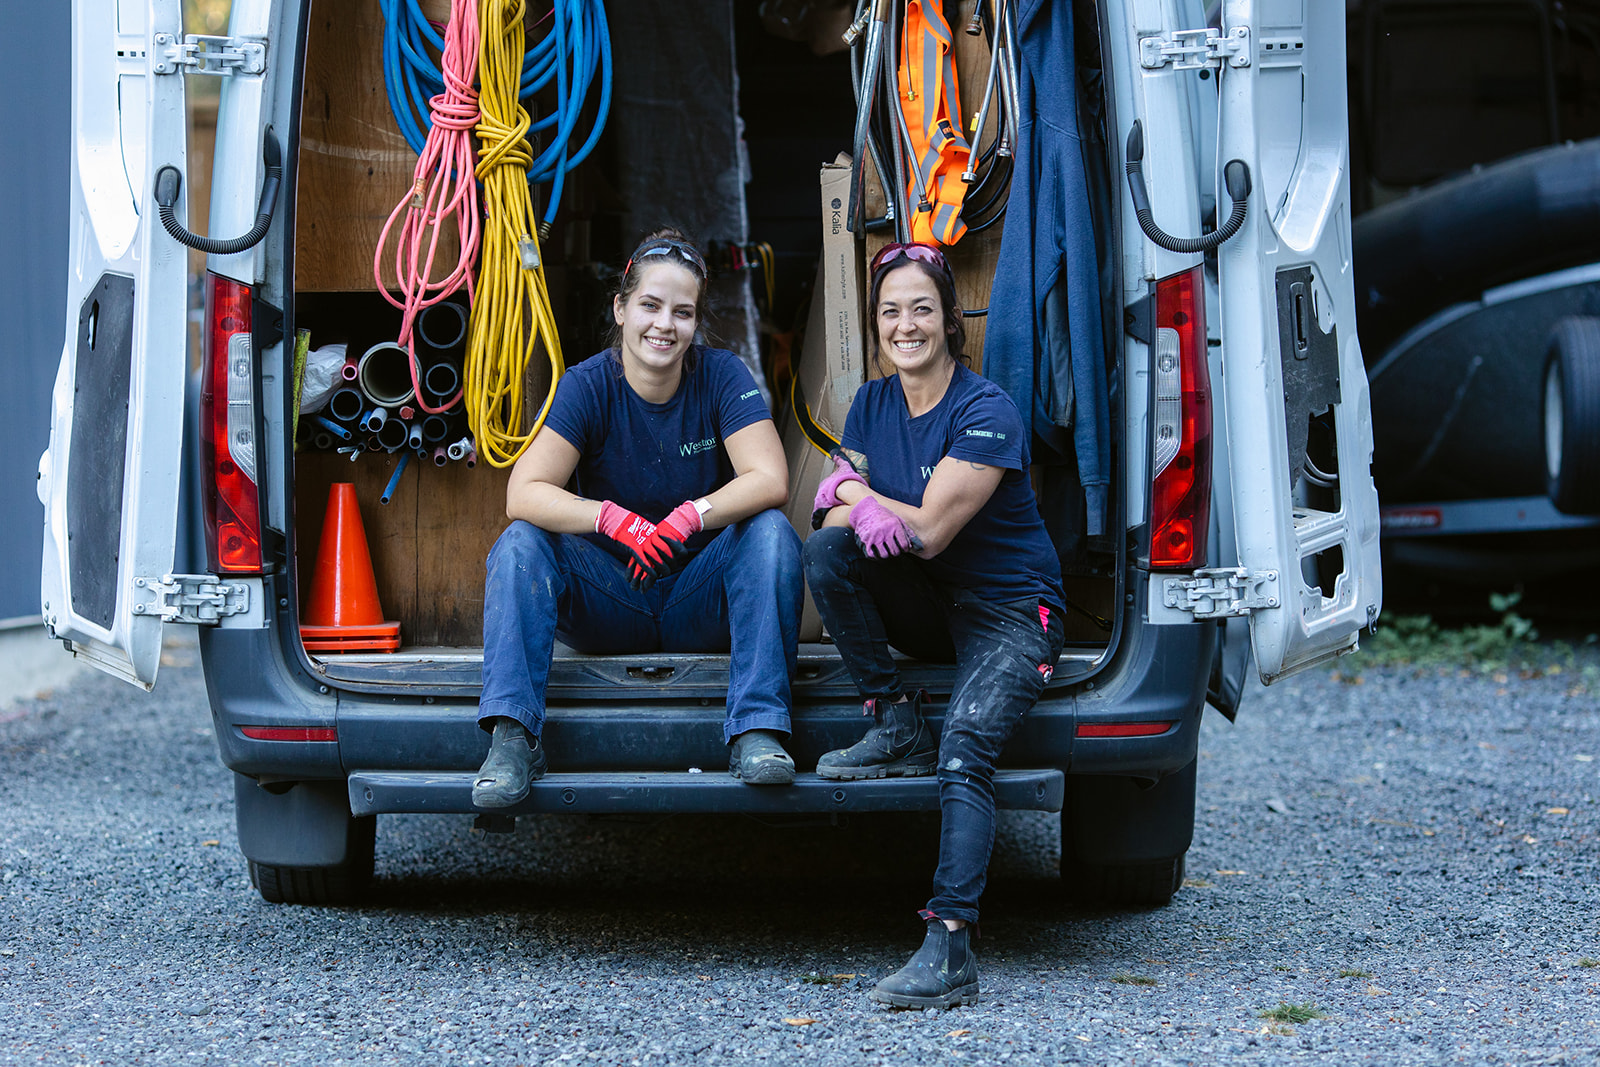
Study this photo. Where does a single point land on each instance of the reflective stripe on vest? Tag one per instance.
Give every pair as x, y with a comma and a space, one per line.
927, 83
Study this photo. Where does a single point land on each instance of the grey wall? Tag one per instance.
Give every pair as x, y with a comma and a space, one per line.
35, 153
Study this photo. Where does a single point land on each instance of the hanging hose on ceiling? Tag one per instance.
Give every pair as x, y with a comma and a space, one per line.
443, 190
989, 171
511, 282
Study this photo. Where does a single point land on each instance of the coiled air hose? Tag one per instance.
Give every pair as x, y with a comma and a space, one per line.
1236, 174
511, 279
169, 181
443, 188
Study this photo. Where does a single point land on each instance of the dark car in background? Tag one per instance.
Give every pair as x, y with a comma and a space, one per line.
1476, 178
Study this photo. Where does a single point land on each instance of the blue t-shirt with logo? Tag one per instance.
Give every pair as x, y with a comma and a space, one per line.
1003, 552
649, 458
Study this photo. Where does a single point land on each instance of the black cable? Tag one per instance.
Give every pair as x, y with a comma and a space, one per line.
169, 181
1236, 174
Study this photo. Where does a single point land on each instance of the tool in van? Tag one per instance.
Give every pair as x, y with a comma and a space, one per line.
928, 115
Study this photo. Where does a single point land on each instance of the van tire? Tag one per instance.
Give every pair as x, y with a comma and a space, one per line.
345, 883
1123, 839
1570, 415
1128, 885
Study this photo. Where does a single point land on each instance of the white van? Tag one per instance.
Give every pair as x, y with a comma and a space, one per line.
1238, 405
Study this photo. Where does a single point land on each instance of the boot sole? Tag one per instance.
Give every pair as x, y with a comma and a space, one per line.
490, 799
898, 769
967, 994
771, 774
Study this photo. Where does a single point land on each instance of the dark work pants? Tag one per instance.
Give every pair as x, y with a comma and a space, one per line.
1004, 653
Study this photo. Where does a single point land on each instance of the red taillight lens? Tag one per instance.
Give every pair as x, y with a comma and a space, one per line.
1122, 729
290, 733
1180, 495
227, 431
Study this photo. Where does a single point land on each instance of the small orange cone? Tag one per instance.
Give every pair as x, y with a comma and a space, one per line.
343, 614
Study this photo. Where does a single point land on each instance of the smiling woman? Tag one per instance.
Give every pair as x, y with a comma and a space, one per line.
656, 425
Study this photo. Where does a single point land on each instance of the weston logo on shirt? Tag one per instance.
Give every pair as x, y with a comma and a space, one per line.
694, 448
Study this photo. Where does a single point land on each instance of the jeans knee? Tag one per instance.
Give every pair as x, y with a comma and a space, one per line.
828, 554
522, 547
768, 540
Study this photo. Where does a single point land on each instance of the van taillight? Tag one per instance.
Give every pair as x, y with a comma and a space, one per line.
227, 430
1180, 456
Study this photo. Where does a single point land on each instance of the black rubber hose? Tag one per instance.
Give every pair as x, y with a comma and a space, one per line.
1236, 174
169, 181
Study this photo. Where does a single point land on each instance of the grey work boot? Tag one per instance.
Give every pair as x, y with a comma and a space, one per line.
516, 760
898, 745
756, 757
942, 974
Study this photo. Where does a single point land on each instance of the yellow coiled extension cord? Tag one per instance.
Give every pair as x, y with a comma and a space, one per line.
511, 282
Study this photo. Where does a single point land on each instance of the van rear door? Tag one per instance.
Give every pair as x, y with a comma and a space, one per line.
109, 480
1298, 422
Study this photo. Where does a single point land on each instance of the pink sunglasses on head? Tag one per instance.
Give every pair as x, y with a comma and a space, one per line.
922, 253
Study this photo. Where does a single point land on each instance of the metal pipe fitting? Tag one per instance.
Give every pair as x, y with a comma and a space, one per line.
460, 448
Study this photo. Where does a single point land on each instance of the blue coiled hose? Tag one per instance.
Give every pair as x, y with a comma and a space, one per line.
576, 48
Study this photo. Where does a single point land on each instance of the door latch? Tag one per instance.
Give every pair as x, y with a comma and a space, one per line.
201, 599
200, 53
1204, 49
1221, 592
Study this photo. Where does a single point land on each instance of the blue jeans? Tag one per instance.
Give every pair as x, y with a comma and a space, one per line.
1004, 653
541, 584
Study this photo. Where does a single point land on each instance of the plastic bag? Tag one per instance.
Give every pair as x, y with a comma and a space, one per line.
323, 375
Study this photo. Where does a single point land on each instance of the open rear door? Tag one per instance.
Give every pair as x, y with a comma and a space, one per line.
109, 481
1298, 421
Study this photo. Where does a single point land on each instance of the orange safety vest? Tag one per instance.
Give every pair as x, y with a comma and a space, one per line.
927, 78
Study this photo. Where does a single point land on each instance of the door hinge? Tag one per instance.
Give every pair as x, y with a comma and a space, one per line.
1203, 49
1221, 592
202, 599
200, 53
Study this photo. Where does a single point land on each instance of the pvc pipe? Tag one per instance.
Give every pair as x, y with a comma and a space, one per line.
434, 428
393, 434
385, 374
346, 405
373, 420
350, 369
322, 441
442, 326
472, 458
442, 380
441, 456
341, 432
414, 438
407, 412
394, 479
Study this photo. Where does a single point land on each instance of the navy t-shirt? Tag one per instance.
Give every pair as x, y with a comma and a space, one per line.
649, 458
1003, 552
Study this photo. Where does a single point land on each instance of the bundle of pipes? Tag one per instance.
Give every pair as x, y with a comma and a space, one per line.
884, 54
385, 406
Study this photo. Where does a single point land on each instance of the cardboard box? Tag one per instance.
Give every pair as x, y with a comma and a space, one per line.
832, 363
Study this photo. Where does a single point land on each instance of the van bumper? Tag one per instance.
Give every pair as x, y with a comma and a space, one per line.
1158, 676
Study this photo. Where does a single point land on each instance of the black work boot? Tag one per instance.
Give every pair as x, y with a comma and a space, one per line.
898, 745
515, 761
942, 974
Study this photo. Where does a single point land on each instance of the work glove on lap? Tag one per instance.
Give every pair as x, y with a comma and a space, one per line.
652, 553
880, 531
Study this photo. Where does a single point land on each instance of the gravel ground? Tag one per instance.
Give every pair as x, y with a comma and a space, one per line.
1411, 854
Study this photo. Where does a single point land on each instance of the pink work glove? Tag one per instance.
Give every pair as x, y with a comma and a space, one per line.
652, 554
669, 536
828, 492
881, 532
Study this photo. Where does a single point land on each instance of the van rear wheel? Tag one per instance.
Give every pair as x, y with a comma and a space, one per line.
1123, 840
344, 883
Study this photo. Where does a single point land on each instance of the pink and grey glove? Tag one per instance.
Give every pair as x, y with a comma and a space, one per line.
828, 492
880, 531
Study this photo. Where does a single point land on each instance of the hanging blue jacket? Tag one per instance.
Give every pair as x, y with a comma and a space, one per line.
1043, 341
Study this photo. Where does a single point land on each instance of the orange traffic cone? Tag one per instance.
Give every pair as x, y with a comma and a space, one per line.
343, 613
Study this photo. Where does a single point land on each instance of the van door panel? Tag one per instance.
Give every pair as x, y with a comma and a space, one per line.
109, 481
1293, 376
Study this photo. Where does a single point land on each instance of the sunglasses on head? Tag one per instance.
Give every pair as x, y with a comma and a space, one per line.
666, 246
920, 252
